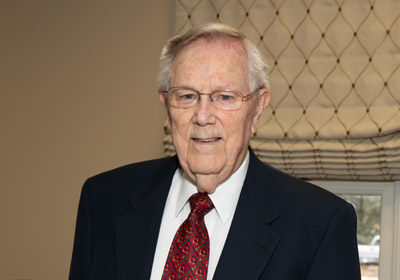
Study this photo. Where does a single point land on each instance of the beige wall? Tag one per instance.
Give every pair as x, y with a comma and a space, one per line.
78, 96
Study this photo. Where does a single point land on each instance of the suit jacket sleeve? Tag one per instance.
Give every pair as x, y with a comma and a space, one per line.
81, 256
337, 253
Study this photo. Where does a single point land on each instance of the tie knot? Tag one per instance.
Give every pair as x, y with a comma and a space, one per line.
200, 204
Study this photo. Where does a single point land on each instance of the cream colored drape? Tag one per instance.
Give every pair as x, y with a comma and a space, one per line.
335, 81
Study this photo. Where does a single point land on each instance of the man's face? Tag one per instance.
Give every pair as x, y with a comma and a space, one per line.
210, 143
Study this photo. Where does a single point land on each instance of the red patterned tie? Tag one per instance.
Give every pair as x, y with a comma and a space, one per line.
189, 251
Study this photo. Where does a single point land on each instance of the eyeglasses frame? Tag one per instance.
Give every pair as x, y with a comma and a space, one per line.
209, 95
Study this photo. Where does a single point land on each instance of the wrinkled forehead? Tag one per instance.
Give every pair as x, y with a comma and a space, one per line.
215, 59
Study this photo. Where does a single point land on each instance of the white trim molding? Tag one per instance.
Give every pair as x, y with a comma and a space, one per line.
389, 253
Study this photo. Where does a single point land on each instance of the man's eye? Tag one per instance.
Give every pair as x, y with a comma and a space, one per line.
225, 97
188, 96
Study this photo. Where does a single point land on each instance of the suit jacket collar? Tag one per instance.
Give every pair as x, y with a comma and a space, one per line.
251, 241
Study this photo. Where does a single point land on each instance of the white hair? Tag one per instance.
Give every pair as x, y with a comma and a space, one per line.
257, 68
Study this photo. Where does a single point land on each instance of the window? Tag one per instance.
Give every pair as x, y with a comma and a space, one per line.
378, 211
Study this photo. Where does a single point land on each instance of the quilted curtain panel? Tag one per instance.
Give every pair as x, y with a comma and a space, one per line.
335, 82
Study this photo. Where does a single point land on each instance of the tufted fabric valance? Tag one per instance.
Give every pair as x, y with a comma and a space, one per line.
335, 81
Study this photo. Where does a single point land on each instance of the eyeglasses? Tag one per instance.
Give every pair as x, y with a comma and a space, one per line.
222, 99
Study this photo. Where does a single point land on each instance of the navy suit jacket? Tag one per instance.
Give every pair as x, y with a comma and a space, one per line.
283, 228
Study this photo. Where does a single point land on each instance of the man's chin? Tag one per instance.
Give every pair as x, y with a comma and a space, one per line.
204, 170
205, 165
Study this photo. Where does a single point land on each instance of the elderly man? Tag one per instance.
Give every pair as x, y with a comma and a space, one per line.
214, 211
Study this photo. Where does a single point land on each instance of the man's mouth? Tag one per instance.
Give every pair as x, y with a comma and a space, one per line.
207, 140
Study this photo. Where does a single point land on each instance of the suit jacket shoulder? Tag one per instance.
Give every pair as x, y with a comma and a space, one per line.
114, 208
134, 181
286, 193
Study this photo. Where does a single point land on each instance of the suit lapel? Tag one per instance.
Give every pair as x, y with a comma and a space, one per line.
137, 231
249, 245
250, 242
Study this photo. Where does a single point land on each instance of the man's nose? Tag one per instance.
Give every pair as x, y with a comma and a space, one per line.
205, 110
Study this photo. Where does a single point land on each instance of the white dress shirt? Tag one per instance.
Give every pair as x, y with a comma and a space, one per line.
218, 220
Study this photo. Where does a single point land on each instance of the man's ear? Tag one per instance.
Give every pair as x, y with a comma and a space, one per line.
263, 101
163, 99
265, 97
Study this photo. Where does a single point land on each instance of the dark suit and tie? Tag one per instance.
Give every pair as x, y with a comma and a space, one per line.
282, 228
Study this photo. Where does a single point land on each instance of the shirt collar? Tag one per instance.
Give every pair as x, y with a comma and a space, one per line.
225, 197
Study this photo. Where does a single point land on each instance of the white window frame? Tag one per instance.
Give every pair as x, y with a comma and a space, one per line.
389, 251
